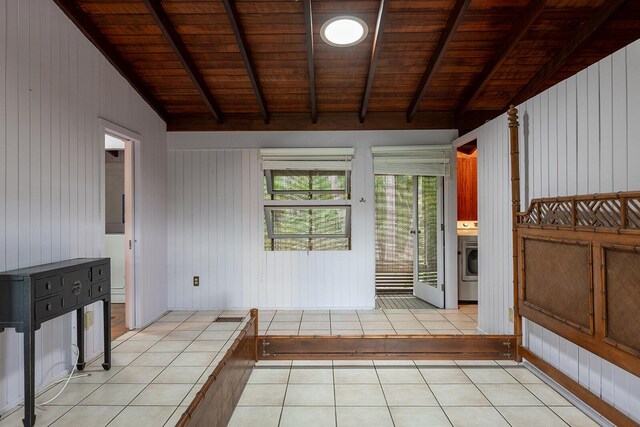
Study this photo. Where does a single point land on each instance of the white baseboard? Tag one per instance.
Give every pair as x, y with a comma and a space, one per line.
118, 296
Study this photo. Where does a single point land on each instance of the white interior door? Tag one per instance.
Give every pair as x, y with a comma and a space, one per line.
428, 272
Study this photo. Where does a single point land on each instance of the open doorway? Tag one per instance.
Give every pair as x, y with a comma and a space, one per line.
467, 222
119, 228
409, 241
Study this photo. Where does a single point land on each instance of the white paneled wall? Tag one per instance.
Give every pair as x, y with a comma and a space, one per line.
54, 85
216, 232
495, 293
578, 137
216, 224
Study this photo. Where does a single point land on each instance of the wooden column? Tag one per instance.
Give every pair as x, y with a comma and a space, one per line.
515, 208
254, 316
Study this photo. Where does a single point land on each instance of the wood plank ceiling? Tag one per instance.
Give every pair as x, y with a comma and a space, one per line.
261, 65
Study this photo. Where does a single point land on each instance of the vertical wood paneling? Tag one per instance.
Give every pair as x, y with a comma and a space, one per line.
582, 87
241, 273
593, 128
577, 137
606, 125
552, 141
543, 140
493, 184
572, 135
54, 86
633, 113
620, 114
562, 124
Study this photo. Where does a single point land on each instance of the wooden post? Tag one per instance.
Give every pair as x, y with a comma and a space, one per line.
254, 316
515, 208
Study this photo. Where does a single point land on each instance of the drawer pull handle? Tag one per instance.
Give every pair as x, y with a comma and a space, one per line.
99, 288
48, 306
99, 272
48, 285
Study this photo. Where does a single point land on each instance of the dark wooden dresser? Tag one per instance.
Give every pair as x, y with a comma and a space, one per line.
31, 296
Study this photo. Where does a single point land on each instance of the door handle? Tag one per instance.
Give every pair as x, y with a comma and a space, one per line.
129, 244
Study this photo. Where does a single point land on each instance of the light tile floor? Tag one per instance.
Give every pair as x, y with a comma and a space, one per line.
400, 394
157, 371
378, 321
155, 375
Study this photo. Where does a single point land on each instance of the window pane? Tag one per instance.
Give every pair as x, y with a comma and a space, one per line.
305, 226
428, 230
295, 180
291, 244
291, 221
306, 185
308, 221
394, 218
330, 244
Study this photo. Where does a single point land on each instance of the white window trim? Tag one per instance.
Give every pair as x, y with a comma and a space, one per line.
325, 159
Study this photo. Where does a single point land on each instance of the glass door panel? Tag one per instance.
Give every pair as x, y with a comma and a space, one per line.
429, 259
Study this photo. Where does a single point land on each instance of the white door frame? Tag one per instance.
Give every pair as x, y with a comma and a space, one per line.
451, 221
132, 141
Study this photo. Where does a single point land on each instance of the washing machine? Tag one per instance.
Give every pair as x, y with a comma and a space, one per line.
468, 264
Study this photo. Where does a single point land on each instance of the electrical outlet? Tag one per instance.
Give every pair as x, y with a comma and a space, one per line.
510, 314
196, 280
88, 320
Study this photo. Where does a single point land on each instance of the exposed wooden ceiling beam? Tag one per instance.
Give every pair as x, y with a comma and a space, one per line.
473, 119
162, 19
236, 26
521, 26
376, 120
584, 33
90, 31
308, 24
455, 18
373, 62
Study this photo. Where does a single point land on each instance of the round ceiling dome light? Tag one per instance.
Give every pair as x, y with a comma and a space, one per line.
343, 31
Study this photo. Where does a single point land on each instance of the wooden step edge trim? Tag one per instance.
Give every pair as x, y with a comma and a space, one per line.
387, 347
602, 407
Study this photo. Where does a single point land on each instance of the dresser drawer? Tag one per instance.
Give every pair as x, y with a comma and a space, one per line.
99, 289
47, 307
47, 286
99, 272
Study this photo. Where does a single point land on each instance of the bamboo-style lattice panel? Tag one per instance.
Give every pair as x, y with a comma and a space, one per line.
578, 274
619, 211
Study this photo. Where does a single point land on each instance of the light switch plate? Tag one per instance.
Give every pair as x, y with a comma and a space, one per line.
511, 315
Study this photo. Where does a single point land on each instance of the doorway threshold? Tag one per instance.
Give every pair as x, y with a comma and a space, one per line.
401, 301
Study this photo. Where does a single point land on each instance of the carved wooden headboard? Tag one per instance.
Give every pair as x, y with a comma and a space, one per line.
579, 272
578, 269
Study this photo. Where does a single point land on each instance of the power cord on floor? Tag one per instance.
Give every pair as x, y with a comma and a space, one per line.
76, 350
